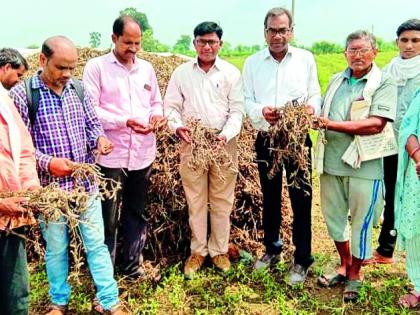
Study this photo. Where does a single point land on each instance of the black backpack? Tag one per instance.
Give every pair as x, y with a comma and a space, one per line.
32, 95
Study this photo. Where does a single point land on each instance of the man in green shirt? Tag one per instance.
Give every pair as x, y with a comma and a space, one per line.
349, 184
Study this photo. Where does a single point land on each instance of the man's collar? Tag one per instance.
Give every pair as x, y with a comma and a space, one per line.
348, 72
113, 59
267, 54
38, 83
217, 63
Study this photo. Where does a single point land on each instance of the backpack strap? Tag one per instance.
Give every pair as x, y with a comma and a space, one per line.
78, 87
32, 95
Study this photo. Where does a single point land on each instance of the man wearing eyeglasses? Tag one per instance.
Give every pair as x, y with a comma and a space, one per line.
273, 77
209, 89
351, 184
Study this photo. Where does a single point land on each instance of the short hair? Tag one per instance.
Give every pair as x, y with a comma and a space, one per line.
208, 27
47, 50
409, 25
13, 57
119, 23
361, 34
277, 12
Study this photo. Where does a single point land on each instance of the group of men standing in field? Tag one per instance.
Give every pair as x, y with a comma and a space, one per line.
113, 112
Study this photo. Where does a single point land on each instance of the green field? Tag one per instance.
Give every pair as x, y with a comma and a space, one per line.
327, 64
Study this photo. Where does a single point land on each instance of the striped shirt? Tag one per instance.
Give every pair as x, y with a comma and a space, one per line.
63, 128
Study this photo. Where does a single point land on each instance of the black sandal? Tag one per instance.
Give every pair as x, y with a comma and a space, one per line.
332, 280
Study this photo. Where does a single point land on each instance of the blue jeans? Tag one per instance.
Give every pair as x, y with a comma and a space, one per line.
91, 229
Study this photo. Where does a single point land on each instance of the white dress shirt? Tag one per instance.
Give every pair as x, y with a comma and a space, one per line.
268, 82
215, 97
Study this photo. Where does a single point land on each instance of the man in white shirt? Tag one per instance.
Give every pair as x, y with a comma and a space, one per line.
272, 77
209, 89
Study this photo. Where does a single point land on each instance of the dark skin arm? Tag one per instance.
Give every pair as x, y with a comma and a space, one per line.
412, 144
363, 127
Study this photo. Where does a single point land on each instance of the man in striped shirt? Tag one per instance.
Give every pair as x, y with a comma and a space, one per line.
66, 131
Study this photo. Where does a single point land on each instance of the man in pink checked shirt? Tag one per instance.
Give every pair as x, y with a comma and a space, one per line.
128, 101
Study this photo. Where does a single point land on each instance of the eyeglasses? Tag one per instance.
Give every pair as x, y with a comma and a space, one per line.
274, 31
203, 42
354, 52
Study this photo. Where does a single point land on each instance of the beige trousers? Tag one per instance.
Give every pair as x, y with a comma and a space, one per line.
205, 192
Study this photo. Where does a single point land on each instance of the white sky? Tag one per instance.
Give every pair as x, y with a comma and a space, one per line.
25, 22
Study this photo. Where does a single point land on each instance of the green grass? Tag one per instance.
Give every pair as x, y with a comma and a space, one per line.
241, 291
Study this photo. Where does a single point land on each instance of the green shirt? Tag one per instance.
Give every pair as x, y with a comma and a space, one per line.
383, 105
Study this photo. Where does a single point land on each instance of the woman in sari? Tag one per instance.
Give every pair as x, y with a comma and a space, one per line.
407, 199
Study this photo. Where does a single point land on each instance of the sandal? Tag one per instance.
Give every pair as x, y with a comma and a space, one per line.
410, 300
331, 280
56, 309
117, 309
352, 290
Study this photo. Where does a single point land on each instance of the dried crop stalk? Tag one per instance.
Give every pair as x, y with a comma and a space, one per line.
287, 141
206, 150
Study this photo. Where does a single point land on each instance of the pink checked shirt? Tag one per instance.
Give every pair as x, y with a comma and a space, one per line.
120, 94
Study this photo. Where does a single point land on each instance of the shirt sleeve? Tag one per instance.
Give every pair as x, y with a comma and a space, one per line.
252, 108
233, 124
92, 82
314, 90
93, 125
18, 96
27, 169
384, 101
156, 103
173, 103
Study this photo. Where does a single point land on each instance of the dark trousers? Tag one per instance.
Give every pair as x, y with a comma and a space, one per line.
132, 199
301, 199
14, 282
388, 235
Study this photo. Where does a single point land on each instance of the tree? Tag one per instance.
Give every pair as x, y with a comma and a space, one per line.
148, 43
95, 39
183, 44
140, 17
33, 46
324, 47
226, 49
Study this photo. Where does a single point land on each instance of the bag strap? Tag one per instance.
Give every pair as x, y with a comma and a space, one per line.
32, 95
79, 89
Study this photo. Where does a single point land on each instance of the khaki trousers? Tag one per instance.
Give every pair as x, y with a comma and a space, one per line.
205, 191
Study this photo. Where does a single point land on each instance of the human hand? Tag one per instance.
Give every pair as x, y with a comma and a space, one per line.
270, 114
309, 109
12, 206
138, 127
418, 169
60, 167
158, 122
221, 141
184, 133
104, 145
320, 122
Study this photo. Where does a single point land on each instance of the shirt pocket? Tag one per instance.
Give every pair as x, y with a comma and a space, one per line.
296, 87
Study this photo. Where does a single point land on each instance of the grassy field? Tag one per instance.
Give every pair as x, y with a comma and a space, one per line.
243, 290
327, 64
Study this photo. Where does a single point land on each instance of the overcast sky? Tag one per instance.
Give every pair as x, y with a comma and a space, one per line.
26, 22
